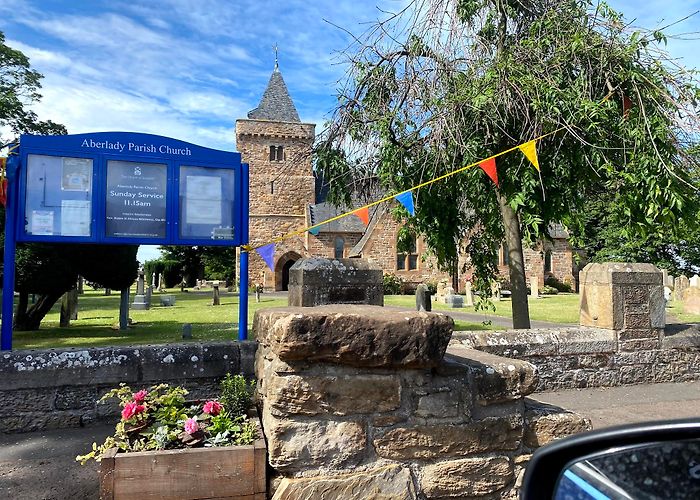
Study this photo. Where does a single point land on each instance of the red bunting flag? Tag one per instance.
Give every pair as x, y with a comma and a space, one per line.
363, 214
489, 166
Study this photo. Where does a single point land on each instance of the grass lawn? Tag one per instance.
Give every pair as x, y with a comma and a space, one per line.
562, 308
97, 314
676, 309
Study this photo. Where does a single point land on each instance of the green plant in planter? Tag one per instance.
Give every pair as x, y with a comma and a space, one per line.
161, 418
236, 394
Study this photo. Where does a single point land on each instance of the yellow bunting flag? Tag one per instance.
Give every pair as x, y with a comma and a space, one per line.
363, 214
530, 153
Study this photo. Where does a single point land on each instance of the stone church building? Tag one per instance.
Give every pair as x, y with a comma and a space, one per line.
286, 196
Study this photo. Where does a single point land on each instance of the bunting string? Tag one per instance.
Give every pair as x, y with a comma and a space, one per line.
529, 150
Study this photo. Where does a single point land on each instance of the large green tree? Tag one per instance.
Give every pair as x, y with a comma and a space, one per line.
49, 270
445, 83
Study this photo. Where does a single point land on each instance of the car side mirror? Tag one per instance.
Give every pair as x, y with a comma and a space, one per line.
640, 461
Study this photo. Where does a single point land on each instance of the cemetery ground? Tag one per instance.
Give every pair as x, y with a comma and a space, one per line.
98, 316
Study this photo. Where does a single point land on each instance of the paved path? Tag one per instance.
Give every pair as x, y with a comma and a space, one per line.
629, 404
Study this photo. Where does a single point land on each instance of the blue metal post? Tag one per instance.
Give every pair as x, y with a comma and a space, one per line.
8, 279
243, 261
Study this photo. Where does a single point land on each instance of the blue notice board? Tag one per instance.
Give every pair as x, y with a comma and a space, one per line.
123, 188
119, 187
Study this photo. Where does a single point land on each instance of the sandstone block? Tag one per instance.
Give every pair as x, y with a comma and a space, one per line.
392, 482
367, 336
469, 477
637, 321
443, 441
337, 395
546, 423
497, 379
302, 445
640, 345
438, 405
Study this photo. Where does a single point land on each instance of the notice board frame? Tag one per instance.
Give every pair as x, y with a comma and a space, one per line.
102, 147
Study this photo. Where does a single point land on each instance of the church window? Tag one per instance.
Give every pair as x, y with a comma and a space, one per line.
276, 153
272, 187
505, 255
548, 261
407, 261
339, 248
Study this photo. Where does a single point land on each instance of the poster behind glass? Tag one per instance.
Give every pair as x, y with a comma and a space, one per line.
136, 200
206, 203
58, 196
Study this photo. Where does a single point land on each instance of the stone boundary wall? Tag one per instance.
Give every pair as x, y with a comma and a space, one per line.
359, 399
589, 357
58, 388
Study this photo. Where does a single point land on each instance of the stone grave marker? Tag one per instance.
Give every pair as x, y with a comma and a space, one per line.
695, 281
423, 299
681, 284
454, 301
691, 300
535, 287
216, 300
140, 297
468, 295
496, 291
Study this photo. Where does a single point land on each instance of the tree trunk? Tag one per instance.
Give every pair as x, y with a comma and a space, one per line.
516, 265
36, 313
81, 282
21, 311
69, 308
124, 309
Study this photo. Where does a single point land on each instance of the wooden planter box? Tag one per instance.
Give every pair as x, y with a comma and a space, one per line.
228, 472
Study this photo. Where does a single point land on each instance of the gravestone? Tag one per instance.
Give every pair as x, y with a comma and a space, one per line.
691, 300
161, 282
496, 291
669, 281
149, 294
667, 293
535, 287
468, 295
681, 284
454, 301
423, 299
695, 281
216, 301
317, 281
187, 331
140, 303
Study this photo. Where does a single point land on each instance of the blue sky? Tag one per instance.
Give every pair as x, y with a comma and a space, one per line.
189, 68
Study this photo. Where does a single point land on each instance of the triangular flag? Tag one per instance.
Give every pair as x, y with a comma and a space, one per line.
267, 252
406, 199
363, 214
489, 166
314, 230
530, 152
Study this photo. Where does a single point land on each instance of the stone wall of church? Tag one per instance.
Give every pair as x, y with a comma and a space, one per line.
323, 245
279, 190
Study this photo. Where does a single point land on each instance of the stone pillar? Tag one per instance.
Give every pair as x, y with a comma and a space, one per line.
140, 302
626, 298
345, 385
216, 301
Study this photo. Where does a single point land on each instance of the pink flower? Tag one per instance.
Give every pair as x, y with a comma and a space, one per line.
140, 396
131, 409
191, 426
212, 407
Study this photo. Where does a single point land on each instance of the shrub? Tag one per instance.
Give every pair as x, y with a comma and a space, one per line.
236, 394
549, 290
393, 285
555, 283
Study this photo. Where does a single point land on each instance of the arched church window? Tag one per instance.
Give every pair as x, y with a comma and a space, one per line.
548, 261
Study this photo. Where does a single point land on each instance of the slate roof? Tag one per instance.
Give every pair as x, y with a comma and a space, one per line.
324, 211
275, 105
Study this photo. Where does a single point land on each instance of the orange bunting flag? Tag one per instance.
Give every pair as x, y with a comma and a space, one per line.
626, 106
363, 214
489, 166
530, 153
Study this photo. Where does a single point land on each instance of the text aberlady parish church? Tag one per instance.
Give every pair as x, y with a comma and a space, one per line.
136, 148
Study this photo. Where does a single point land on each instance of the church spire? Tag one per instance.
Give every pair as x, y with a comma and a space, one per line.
276, 104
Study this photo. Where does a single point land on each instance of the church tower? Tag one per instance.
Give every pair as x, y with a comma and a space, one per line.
277, 146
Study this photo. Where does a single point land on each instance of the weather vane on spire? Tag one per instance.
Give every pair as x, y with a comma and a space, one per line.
276, 62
